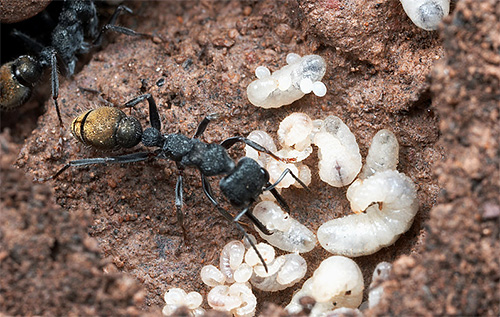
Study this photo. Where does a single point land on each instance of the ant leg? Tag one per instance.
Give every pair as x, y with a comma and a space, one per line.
229, 142
286, 171
127, 158
111, 26
279, 198
179, 201
207, 189
55, 83
204, 123
154, 116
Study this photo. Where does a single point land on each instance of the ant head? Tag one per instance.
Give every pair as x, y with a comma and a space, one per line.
152, 137
26, 70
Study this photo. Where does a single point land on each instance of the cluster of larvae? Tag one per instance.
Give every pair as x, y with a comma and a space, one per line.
301, 76
240, 270
426, 14
383, 200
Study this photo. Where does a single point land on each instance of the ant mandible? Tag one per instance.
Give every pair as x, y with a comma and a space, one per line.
77, 20
109, 128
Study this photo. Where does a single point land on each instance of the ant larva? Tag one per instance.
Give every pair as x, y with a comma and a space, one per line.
241, 184
77, 21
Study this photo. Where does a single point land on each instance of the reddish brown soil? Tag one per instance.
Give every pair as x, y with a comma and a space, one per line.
201, 61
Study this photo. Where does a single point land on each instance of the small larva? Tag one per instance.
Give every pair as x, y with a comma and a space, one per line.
301, 76
426, 14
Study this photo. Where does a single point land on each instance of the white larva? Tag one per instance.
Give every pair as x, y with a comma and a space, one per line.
285, 271
426, 14
339, 157
288, 234
294, 131
231, 258
383, 154
264, 139
337, 282
301, 76
212, 276
380, 274
237, 299
176, 297
389, 202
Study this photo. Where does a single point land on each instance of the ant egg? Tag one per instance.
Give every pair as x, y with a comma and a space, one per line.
288, 234
383, 154
294, 131
338, 152
389, 202
176, 298
337, 282
288, 84
426, 14
237, 299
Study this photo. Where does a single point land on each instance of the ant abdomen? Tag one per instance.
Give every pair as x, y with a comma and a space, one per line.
107, 128
16, 81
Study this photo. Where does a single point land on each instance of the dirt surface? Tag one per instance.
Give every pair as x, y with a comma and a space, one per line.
457, 271
202, 58
18, 10
49, 265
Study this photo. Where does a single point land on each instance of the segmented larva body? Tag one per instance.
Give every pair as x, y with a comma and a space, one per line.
237, 299
337, 282
383, 154
288, 234
176, 298
282, 272
288, 84
294, 131
387, 198
338, 152
426, 14
264, 139
276, 168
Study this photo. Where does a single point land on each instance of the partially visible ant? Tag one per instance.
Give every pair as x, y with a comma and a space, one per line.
77, 21
109, 128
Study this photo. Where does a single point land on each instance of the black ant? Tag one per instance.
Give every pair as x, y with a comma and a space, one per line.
77, 20
109, 128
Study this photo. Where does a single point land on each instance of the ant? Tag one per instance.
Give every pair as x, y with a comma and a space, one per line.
108, 128
77, 20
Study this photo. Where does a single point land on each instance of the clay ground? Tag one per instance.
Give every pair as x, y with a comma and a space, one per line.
438, 91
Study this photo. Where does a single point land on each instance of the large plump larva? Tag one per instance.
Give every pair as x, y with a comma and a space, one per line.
339, 157
176, 298
288, 84
383, 154
288, 234
426, 14
389, 202
337, 282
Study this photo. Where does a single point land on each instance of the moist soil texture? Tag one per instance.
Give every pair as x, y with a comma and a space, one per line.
105, 240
